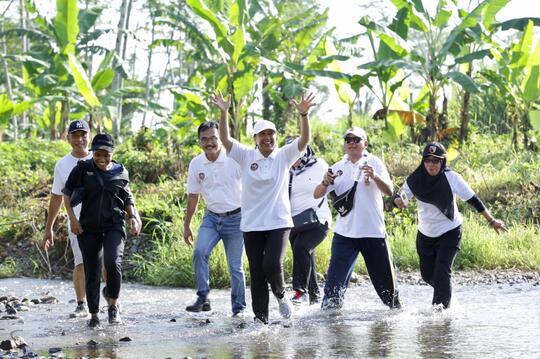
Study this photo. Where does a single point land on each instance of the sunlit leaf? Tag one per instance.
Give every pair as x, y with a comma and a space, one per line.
81, 80
66, 24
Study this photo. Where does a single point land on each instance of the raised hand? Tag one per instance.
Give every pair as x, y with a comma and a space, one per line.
305, 104
220, 102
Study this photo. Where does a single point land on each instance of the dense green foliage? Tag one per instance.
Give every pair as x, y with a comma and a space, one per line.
508, 181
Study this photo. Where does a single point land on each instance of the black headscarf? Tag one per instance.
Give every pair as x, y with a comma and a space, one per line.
434, 190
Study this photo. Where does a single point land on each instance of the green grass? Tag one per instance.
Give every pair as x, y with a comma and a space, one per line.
507, 181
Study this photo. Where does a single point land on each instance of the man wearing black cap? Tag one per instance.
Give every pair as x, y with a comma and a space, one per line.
78, 133
103, 187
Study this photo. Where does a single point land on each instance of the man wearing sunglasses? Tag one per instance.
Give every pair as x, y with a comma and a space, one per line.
362, 229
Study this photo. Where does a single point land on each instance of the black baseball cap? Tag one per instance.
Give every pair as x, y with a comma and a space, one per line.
103, 141
78, 125
435, 149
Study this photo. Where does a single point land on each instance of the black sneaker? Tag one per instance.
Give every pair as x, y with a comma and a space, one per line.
94, 321
114, 315
200, 304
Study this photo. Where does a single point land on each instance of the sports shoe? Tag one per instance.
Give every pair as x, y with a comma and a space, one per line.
80, 311
239, 314
260, 321
94, 321
331, 303
201, 304
284, 307
299, 298
313, 299
114, 315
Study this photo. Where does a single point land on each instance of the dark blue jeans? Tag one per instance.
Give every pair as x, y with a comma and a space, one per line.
380, 267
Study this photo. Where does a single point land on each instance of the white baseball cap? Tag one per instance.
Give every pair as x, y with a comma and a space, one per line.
357, 131
262, 125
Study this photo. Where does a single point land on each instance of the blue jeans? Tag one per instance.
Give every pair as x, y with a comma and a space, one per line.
379, 265
213, 228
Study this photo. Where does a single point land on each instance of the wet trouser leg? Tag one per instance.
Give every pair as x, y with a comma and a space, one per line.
233, 242
207, 239
380, 267
303, 246
343, 257
265, 251
113, 252
437, 256
91, 244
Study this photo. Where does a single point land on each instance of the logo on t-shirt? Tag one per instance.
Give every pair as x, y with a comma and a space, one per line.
254, 166
201, 176
339, 172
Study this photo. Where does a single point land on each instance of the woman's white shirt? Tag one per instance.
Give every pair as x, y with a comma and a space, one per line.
265, 180
431, 221
303, 186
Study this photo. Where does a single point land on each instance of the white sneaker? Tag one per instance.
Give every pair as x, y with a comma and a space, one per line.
285, 308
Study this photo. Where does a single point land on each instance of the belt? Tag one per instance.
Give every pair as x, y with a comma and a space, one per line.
226, 214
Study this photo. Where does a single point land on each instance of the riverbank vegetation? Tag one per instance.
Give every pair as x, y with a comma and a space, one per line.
507, 180
416, 71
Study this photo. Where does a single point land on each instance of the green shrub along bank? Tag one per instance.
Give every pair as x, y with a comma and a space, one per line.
507, 181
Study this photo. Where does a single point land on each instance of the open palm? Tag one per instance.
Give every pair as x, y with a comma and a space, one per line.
305, 104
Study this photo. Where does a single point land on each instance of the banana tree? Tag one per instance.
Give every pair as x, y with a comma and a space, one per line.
439, 44
53, 75
518, 78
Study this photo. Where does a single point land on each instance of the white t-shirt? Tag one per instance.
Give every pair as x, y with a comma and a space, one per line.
366, 218
431, 221
265, 180
218, 182
62, 169
303, 186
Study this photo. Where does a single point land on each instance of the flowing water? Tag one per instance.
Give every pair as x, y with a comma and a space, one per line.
486, 321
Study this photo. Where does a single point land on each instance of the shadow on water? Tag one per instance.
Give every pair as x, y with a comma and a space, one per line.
436, 339
159, 327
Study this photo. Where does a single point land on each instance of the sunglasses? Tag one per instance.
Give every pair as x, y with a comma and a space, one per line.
205, 140
353, 139
434, 161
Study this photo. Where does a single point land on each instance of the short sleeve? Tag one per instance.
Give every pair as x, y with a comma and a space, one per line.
58, 184
193, 184
238, 152
382, 172
73, 180
459, 186
405, 188
291, 151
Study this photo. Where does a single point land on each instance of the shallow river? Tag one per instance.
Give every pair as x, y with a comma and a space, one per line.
486, 321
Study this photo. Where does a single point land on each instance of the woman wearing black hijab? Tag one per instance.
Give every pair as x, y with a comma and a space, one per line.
439, 222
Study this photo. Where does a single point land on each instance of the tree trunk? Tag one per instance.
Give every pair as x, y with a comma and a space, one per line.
64, 117
8, 82
121, 38
148, 81
443, 118
52, 120
432, 118
22, 14
464, 115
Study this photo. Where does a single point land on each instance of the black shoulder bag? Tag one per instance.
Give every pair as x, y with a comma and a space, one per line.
306, 219
344, 202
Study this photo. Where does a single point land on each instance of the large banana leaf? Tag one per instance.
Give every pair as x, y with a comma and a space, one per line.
81, 80
66, 24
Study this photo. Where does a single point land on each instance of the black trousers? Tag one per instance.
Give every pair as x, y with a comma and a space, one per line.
303, 246
265, 251
436, 259
112, 242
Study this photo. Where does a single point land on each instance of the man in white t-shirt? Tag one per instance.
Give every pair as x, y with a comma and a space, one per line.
217, 178
362, 230
78, 136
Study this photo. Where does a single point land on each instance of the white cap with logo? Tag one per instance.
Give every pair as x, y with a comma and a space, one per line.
262, 125
356, 131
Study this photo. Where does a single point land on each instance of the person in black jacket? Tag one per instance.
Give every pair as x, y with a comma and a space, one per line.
102, 187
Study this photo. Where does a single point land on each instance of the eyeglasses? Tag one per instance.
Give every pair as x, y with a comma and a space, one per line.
205, 140
434, 161
353, 139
